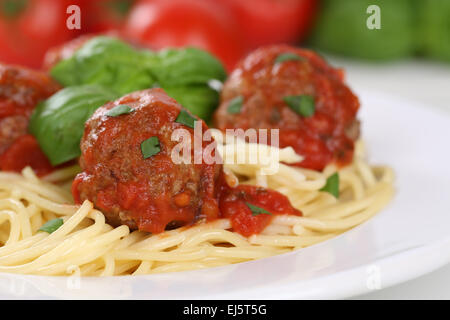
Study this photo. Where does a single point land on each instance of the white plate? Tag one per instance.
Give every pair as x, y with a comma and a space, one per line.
408, 239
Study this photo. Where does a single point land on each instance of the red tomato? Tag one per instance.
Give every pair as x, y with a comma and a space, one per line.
107, 15
29, 27
264, 22
179, 23
25, 151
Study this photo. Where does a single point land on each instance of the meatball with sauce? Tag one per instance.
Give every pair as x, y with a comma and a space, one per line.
21, 90
296, 91
128, 172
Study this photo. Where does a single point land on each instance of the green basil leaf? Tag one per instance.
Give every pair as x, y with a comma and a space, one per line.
119, 110
108, 62
257, 210
332, 185
288, 57
303, 104
52, 225
185, 118
58, 122
150, 147
188, 66
198, 99
185, 74
235, 105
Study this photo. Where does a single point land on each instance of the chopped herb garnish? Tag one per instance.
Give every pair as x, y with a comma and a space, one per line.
303, 104
185, 118
150, 147
288, 57
257, 210
52, 225
332, 185
235, 105
119, 110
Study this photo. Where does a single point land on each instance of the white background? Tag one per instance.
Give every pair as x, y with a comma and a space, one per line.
427, 83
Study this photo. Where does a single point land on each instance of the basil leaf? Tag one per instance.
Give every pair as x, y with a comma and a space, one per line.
303, 104
332, 185
198, 99
185, 74
119, 110
235, 105
58, 122
188, 66
257, 210
52, 225
288, 57
185, 118
150, 147
108, 62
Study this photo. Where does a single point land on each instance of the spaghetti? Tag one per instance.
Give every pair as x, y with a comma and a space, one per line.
86, 244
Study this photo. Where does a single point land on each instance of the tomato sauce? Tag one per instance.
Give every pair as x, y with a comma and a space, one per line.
233, 204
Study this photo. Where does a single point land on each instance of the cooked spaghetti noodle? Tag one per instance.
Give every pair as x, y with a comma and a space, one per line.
86, 244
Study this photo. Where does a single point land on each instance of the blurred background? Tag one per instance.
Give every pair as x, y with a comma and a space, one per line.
231, 28
408, 53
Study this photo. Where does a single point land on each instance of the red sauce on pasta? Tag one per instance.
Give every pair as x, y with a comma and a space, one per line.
237, 204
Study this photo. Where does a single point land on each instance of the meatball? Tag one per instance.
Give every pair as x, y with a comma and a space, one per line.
269, 76
20, 91
146, 192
